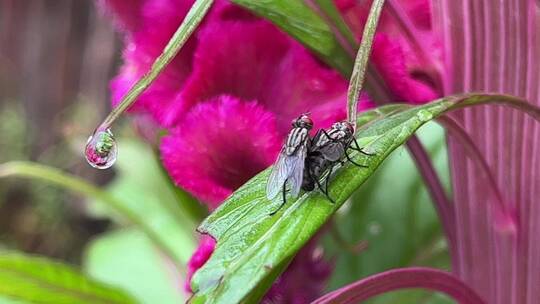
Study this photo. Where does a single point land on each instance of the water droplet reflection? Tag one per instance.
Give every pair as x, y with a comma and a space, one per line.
101, 149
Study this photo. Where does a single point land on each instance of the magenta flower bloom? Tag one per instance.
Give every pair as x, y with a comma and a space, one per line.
199, 258
400, 50
147, 27
229, 97
245, 132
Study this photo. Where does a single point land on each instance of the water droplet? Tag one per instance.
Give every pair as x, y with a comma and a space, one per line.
374, 228
101, 149
424, 115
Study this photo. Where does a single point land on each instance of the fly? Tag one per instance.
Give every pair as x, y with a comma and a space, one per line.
289, 167
329, 148
303, 161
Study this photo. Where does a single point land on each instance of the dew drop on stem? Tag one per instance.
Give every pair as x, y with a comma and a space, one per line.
101, 149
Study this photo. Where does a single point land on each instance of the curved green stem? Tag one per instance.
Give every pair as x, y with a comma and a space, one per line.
361, 62
76, 184
190, 23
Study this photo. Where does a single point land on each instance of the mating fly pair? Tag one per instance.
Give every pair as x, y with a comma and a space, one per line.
304, 160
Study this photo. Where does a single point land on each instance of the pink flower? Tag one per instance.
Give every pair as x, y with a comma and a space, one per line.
254, 63
408, 65
199, 258
148, 26
389, 58
219, 145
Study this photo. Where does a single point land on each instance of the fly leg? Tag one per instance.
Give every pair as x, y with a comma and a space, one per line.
352, 161
328, 178
325, 191
284, 193
357, 148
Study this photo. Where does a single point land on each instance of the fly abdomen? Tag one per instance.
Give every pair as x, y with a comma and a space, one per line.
315, 166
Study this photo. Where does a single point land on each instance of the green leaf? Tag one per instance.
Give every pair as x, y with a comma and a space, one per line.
297, 19
38, 280
251, 243
126, 258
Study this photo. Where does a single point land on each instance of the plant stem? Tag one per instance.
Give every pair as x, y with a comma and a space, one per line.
190, 23
379, 91
454, 129
76, 184
435, 188
361, 62
412, 277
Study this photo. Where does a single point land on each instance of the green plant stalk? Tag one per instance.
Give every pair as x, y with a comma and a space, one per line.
190, 23
361, 62
76, 184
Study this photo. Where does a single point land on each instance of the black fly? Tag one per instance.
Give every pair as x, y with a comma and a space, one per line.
289, 166
327, 149
303, 161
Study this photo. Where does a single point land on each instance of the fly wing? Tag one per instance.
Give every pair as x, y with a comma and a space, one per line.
290, 165
332, 151
296, 172
278, 176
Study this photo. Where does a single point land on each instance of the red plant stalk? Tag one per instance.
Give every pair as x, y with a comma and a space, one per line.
404, 278
493, 46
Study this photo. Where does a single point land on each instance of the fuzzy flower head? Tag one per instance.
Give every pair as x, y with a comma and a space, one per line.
219, 145
249, 89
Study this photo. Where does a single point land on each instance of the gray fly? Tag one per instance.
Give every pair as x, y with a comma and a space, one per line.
328, 148
304, 161
289, 167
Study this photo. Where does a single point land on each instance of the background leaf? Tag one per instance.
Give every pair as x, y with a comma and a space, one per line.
142, 188
297, 19
38, 280
141, 196
250, 243
126, 258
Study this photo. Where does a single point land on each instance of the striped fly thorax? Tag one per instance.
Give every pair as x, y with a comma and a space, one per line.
289, 166
295, 139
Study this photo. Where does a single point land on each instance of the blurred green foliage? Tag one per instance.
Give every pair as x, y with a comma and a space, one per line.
142, 187
125, 258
